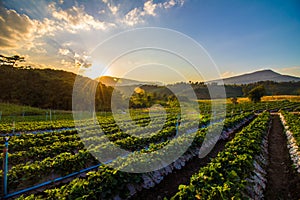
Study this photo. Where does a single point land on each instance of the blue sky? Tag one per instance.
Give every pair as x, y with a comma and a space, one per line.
240, 36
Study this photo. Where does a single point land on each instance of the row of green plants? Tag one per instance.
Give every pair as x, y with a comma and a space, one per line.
32, 147
107, 183
33, 123
291, 124
41, 155
225, 176
61, 143
26, 141
8, 124
42, 152
50, 167
36, 155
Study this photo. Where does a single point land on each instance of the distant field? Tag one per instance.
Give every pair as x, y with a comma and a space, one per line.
293, 98
13, 109
9, 110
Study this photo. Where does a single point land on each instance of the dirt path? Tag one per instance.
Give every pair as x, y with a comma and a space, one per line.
283, 180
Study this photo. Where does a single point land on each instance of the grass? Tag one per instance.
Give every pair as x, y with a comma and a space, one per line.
7, 109
292, 98
13, 109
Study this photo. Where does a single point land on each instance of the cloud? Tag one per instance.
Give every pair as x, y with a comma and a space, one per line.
19, 31
67, 64
137, 15
227, 74
149, 8
172, 3
22, 34
64, 52
133, 17
39, 50
294, 71
75, 18
14, 28
113, 9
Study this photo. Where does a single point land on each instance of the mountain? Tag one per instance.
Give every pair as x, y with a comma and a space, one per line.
112, 81
263, 75
47, 88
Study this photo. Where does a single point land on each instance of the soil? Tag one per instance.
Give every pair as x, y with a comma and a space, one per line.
283, 180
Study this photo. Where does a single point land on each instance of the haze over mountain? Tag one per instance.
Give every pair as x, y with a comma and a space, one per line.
253, 77
112, 81
257, 76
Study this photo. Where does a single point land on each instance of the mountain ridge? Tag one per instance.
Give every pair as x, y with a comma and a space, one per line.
246, 78
257, 76
112, 81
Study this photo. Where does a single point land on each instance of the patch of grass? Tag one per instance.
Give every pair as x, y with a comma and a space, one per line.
8, 109
293, 98
13, 109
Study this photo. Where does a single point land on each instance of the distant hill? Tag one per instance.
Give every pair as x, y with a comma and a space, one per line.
46, 88
263, 75
112, 81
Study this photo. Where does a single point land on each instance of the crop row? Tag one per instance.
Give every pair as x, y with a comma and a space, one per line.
226, 176
31, 147
291, 123
107, 182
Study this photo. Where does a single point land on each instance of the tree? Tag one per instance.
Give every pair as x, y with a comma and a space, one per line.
256, 93
234, 100
6, 60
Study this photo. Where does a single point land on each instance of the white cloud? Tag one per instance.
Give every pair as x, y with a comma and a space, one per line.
14, 28
138, 14
67, 64
133, 17
39, 50
227, 74
82, 60
294, 71
64, 52
75, 18
113, 9
149, 8
169, 4
101, 12
20, 32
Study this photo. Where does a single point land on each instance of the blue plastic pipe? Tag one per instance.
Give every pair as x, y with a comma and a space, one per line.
5, 167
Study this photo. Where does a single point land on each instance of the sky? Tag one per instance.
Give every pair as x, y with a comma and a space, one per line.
239, 36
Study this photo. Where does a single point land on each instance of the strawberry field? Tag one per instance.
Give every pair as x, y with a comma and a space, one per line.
48, 159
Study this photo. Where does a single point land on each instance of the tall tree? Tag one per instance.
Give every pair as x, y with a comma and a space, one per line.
256, 93
11, 60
